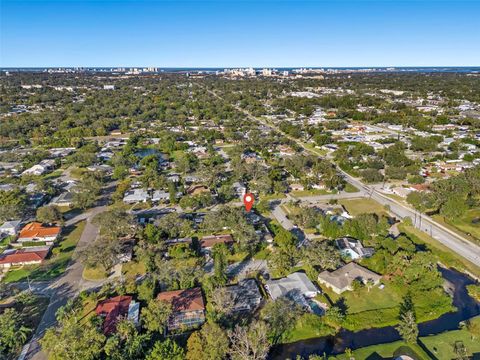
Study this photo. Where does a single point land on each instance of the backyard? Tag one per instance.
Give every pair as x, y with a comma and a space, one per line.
442, 346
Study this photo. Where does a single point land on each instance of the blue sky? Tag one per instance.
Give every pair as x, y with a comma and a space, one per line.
239, 33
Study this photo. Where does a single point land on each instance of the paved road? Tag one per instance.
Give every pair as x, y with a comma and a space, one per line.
65, 287
452, 240
447, 237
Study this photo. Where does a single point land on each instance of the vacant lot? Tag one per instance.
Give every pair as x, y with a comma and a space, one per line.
362, 206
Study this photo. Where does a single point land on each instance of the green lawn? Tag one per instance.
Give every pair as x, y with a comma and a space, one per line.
58, 261
442, 345
368, 309
464, 224
94, 274
387, 351
133, 268
362, 206
312, 192
350, 188
308, 326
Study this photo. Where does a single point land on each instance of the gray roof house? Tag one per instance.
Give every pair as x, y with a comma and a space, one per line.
296, 286
10, 228
341, 279
246, 295
160, 195
136, 196
64, 199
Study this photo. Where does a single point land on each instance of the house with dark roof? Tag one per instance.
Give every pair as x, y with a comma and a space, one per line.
188, 308
207, 242
246, 296
116, 308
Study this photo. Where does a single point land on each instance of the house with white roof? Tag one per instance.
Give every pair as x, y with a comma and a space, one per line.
296, 286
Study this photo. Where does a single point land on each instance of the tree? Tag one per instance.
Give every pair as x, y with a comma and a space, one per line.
49, 214
249, 343
73, 340
219, 254
12, 333
166, 350
155, 316
280, 315
221, 303
103, 253
454, 207
115, 223
12, 204
407, 328
86, 192
321, 254
211, 342
127, 343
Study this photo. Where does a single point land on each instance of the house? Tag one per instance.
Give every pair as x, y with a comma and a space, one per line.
207, 242
197, 189
160, 195
188, 307
36, 231
114, 309
64, 199
296, 286
40, 168
239, 189
297, 187
353, 248
341, 279
9, 228
22, 257
135, 196
246, 296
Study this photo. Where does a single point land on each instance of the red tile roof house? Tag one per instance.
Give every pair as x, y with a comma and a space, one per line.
22, 257
207, 242
188, 307
114, 309
36, 231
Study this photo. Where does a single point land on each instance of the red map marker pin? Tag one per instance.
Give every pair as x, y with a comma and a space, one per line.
248, 200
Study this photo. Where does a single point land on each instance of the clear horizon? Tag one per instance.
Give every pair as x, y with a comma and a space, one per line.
274, 34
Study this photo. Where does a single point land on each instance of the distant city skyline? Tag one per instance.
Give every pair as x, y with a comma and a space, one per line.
229, 34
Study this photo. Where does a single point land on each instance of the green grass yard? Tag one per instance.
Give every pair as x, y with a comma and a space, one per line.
58, 261
362, 206
464, 225
386, 351
442, 345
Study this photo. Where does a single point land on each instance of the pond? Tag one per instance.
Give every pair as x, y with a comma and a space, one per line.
466, 308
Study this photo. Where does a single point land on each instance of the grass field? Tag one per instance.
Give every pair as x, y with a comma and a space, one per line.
313, 192
362, 206
308, 326
58, 261
464, 225
387, 351
94, 274
442, 345
133, 268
